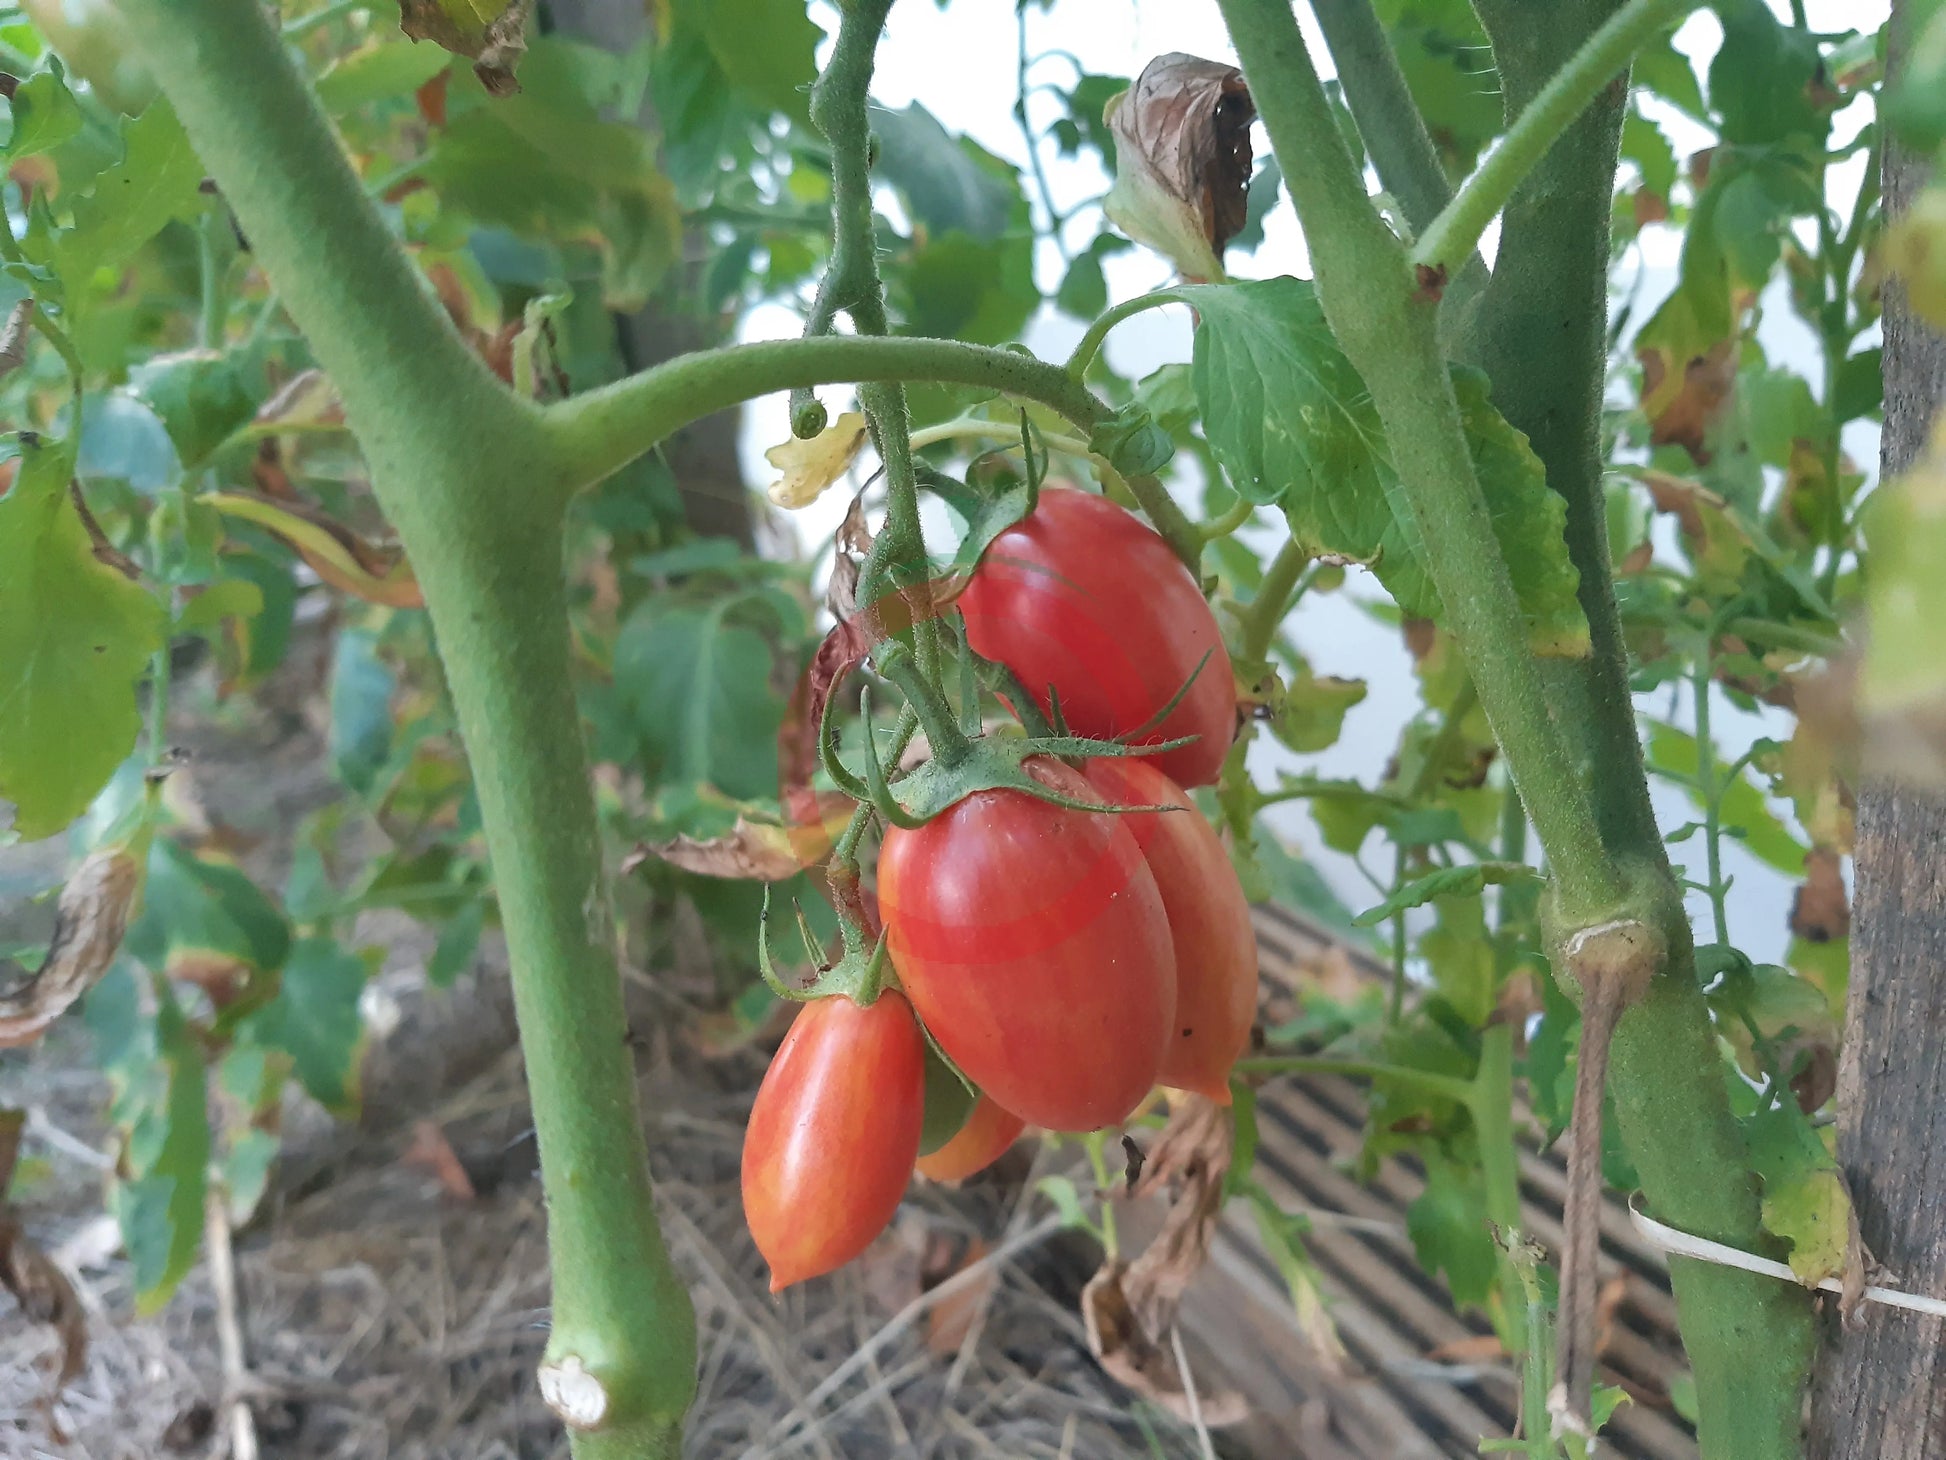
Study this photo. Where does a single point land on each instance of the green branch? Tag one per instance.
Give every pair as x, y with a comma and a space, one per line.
454, 459
1455, 233
1387, 326
602, 431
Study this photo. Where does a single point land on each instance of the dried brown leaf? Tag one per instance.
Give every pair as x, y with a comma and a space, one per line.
432, 1153
1821, 910
811, 466
1129, 1307
753, 850
105, 551
1684, 417
40, 1288
1182, 160
89, 921
494, 46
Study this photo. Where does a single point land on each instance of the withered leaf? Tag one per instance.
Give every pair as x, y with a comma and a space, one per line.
105, 551
754, 850
375, 572
1821, 912
40, 1288
306, 402
1182, 160
89, 921
1129, 1308
1684, 416
432, 1153
809, 467
493, 42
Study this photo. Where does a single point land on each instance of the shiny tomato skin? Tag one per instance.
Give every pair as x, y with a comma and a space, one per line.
1209, 922
1032, 941
833, 1134
984, 1139
1086, 597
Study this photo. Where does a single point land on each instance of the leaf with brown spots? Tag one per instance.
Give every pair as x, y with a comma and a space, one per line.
89, 921
493, 37
754, 850
1683, 406
1182, 160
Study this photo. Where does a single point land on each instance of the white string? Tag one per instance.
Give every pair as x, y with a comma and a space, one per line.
1684, 1244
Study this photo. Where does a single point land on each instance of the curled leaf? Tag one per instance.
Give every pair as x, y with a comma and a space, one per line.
754, 850
38, 1285
377, 573
493, 36
306, 402
1129, 1308
89, 921
809, 467
1182, 160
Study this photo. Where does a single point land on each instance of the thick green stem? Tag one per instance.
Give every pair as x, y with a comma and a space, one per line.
1258, 621
1455, 233
600, 432
1541, 335
1387, 325
454, 460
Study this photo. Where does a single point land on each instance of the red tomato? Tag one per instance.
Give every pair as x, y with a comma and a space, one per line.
1034, 945
833, 1134
984, 1138
1087, 598
1216, 947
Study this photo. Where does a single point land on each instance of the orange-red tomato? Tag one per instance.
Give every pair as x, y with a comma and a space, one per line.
1209, 920
1033, 943
833, 1134
1087, 598
985, 1137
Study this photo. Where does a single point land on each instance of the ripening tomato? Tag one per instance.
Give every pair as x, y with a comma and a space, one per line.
1209, 919
1033, 943
1087, 598
985, 1137
833, 1134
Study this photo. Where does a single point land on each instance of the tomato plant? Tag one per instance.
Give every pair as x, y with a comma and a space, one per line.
365, 386
833, 1134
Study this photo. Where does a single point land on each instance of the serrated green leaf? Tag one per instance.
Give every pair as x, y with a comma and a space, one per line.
45, 114
702, 698
1132, 442
1311, 715
230, 598
195, 910
315, 1020
158, 1201
378, 71
75, 637
200, 396
1459, 954
1465, 881
1448, 1227
1805, 1201
1767, 82
1292, 423
1084, 288
978, 290
156, 180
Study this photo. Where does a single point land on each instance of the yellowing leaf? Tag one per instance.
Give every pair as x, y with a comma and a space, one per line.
378, 574
1805, 1201
75, 637
809, 467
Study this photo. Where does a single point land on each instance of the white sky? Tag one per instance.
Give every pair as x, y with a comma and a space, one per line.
959, 62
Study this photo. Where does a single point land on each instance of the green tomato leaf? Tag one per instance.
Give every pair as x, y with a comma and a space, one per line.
1292, 423
315, 1020
1449, 1230
1132, 442
156, 180
1084, 288
75, 637
1805, 1201
200, 396
361, 710
978, 290
45, 115
948, 1103
767, 49
948, 183
1767, 83
231, 598
245, 1171
160, 1103
1459, 953
1310, 715
379, 71
1463, 882
195, 912
702, 697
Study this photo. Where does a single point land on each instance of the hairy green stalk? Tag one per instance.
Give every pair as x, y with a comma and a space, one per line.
1541, 335
455, 461
1387, 325
1568, 91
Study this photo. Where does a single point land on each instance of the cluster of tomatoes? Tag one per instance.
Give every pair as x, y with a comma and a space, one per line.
1065, 961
